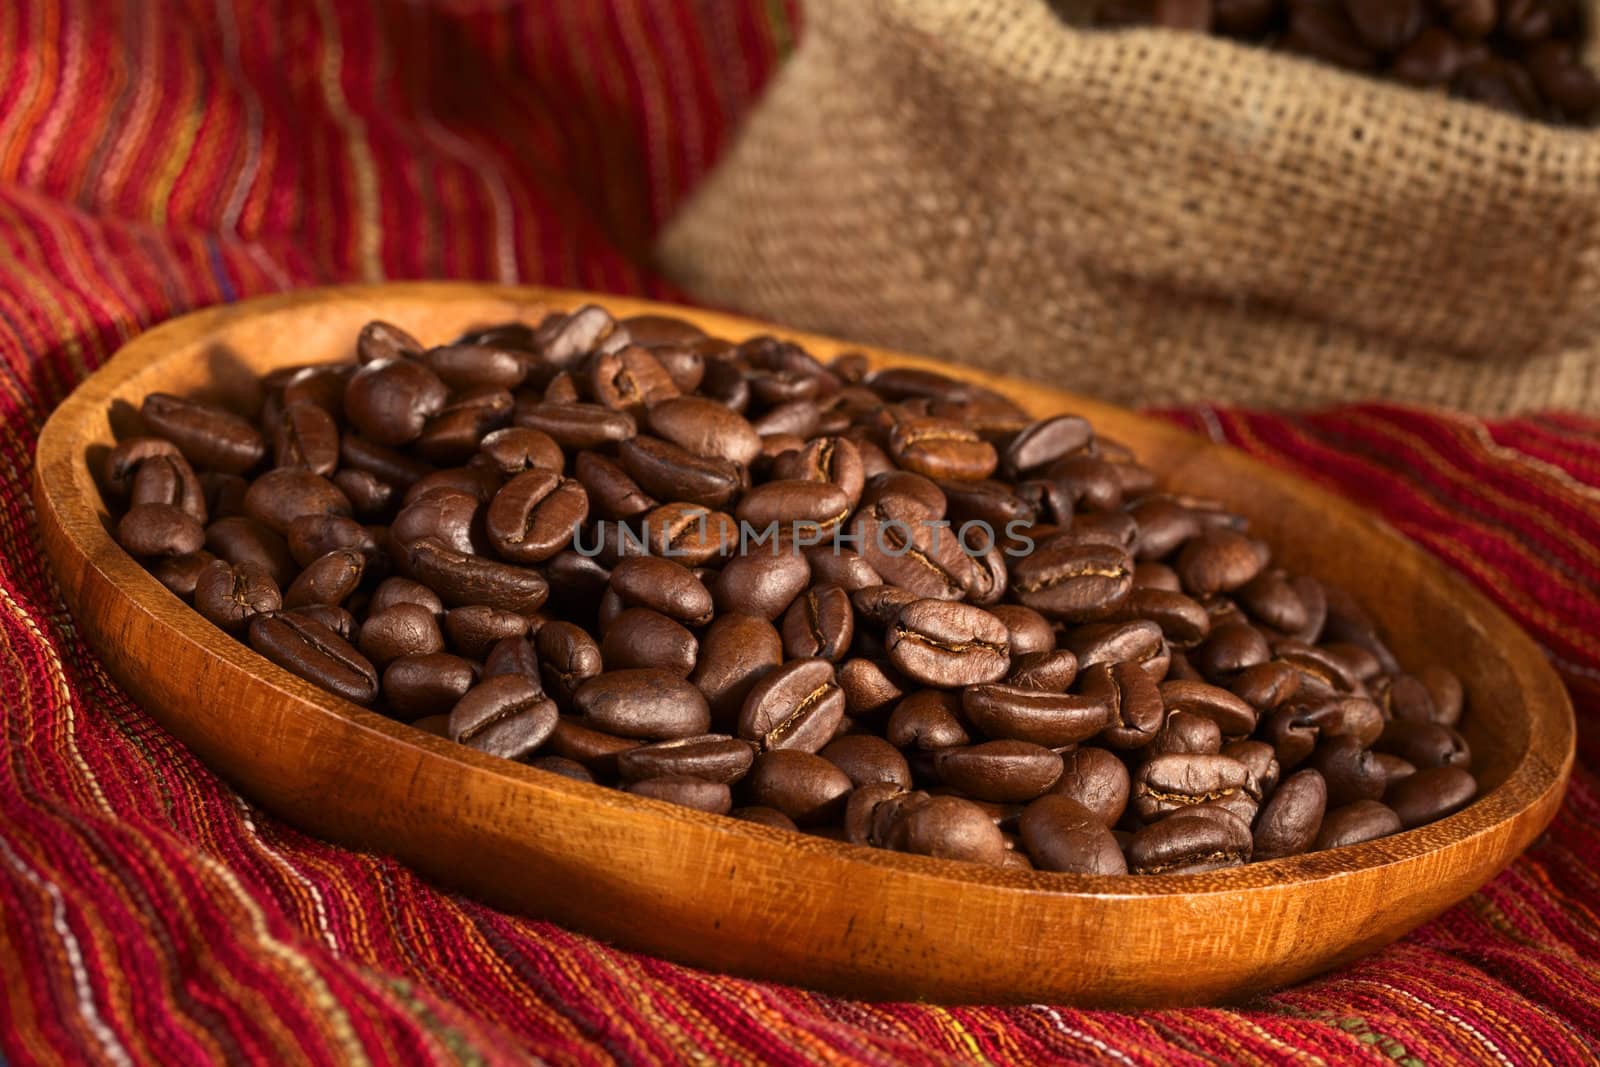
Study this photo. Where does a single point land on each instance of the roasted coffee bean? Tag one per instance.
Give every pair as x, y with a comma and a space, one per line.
764, 816
927, 720
534, 515
1230, 648
1171, 783
1233, 716
820, 623
612, 493
649, 704
1054, 720
306, 436
705, 428
798, 706
512, 655
687, 791
476, 628
595, 750
1187, 732
159, 530
229, 595
1131, 693
804, 787
401, 629
1189, 843
948, 828
711, 757
691, 534
866, 759
1430, 794
382, 341
313, 536
476, 366
169, 480
1046, 441
566, 768
455, 433
1073, 582
735, 653
948, 644
1047, 672
831, 460
1364, 820
1220, 561
1095, 779
208, 436
449, 515
762, 583
640, 638
668, 472
427, 684
577, 425
1007, 772
461, 579
1291, 819
793, 510
122, 462
389, 401
316, 654
1424, 744
180, 574
505, 716
393, 591
328, 579
284, 494
1445, 689
1060, 834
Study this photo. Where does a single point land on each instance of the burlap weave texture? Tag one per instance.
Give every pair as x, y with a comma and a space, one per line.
1153, 216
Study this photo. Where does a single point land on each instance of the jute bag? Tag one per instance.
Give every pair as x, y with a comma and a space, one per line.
1154, 217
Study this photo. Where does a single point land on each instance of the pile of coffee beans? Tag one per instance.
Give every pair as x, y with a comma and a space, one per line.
1519, 55
888, 608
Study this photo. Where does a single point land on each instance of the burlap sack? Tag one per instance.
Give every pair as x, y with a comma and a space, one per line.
1153, 217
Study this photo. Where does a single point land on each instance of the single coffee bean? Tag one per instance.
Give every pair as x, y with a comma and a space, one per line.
516, 449
762, 583
1445, 689
927, 720
711, 757
1169, 783
180, 574
1189, 843
208, 436
401, 629
735, 653
1233, 716
393, 591
313, 536
798, 706
229, 595
383, 341
686, 791
462, 579
1363, 820
640, 638
1220, 561
820, 623
507, 716
159, 530
327, 580
1430, 794
1073, 582
648, 704
630, 379
1048, 672
389, 401
169, 480
1230, 648
337, 619
1054, 720
428, 684
284, 494
306, 436
705, 428
316, 654
947, 828
1136, 704
668, 472
867, 758
803, 787
476, 628
512, 655
1424, 744
1097, 780
691, 534
665, 586
1266, 685
1008, 772
1260, 764
793, 510
534, 515
1061, 834
475, 366
577, 425
595, 750
1187, 732
948, 644
1290, 821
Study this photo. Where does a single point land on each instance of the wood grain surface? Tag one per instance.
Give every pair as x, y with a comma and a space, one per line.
738, 897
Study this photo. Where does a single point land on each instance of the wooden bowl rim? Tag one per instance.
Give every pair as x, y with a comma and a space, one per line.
64, 483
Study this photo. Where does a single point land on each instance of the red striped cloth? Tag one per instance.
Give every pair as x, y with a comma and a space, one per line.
158, 157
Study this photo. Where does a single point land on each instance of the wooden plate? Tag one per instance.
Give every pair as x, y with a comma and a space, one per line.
737, 897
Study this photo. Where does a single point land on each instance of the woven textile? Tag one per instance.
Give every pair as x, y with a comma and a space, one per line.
155, 157
1158, 217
